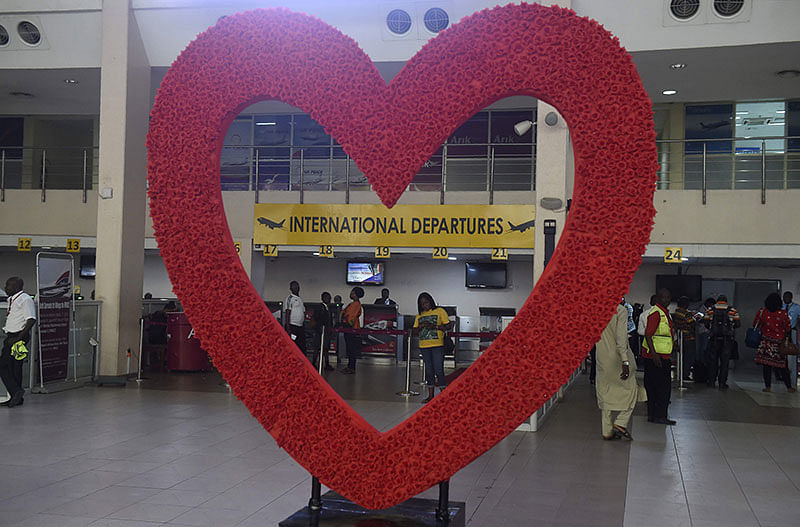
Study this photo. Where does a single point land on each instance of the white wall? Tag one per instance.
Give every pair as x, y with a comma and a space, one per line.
22, 264
405, 278
644, 282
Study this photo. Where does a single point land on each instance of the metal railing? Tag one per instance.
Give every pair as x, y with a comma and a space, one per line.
473, 167
48, 168
729, 164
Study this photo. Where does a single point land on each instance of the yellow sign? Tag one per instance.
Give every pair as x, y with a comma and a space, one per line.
440, 253
24, 244
73, 245
484, 226
326, 251
499, 254
673, 254
238, 246
270, 250
383, 252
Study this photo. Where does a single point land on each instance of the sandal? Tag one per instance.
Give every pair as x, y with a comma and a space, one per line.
623, 432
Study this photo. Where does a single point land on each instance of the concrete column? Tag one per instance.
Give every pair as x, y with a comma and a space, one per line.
554, 168
124, 109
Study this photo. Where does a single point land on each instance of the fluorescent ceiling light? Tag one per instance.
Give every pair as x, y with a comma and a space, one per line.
266, 124
780, 111
315, 254
684, 259
669, 92
742, 112
452, 258
677, 66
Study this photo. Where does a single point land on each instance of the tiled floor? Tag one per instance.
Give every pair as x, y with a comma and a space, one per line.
150, 455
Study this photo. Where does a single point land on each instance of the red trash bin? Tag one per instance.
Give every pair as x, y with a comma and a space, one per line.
183, 349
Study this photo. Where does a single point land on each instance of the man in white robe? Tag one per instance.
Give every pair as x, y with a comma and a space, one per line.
616, 386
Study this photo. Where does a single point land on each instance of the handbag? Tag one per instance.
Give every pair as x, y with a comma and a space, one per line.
787, 347
449, 345
753, 338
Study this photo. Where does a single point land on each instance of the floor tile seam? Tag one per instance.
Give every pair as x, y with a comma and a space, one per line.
543, 432
779, 465
733, 472
499, 472
290, 489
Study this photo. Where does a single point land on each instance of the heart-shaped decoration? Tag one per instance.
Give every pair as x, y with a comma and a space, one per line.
390, 131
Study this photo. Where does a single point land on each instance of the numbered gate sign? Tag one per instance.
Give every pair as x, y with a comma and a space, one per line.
440, 253
673, 254
499, 254
24, 244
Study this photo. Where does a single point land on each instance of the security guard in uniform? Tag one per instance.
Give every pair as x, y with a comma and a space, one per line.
659, 338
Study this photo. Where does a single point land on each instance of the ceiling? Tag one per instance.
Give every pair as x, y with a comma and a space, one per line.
732, 73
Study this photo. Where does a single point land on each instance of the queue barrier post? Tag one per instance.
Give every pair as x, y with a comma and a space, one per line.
408, 392
681, 387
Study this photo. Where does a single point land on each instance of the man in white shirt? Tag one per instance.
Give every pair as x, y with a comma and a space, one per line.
20, 318
296, 316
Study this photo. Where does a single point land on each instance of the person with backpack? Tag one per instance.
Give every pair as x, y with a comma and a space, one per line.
721, 320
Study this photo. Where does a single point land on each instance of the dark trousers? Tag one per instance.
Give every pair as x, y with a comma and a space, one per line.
718, 356
593, 368
689, 356
10, 368
658, 383
781, 373
633, 342
299, 337
326, 346
353, 343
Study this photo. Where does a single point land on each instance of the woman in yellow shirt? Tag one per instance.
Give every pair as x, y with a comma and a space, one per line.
430, 324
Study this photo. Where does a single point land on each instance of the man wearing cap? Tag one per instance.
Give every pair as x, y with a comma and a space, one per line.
20, 318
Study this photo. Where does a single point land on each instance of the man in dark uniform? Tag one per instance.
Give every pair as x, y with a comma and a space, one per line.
323, 330
384, 299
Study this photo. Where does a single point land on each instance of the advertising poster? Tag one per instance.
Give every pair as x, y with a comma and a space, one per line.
380, 317
55, 315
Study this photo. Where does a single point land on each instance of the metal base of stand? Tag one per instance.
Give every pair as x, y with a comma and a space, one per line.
339, 511
409, 393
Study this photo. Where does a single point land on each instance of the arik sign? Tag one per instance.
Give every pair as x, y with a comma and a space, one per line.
489, 226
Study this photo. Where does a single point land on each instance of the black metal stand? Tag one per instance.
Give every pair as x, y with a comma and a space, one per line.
443, 509
414, 512
315, 503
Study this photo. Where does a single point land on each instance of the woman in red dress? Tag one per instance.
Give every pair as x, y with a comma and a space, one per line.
775, 326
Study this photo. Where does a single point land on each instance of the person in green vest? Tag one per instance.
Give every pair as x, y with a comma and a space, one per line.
659, 338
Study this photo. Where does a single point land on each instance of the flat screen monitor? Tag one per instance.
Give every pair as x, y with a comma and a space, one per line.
486, 275
365, 273
679, 285
87, 266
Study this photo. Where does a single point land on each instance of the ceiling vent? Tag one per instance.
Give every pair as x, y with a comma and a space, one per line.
398, 21
29, 33
3, 36
684, 9
728, 8
436, 19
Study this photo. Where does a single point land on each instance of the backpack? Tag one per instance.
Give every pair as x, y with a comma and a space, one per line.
721, 325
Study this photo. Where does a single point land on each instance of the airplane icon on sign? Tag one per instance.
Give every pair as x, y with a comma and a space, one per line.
271, 224
522, 227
